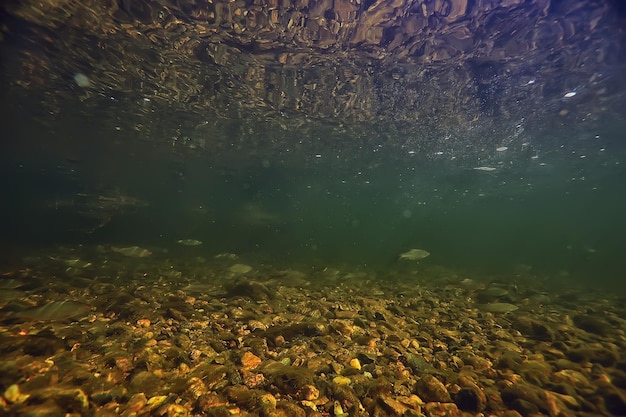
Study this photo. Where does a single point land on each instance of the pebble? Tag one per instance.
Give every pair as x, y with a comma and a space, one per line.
267, 401
429, 388
341, 380
338, 409
196, 387
355, 363
137, 402
253, 380
143, 323
13, 394
176, 410
310, 405
291, 409
437, 409
309, 393
250, 360
392, 406
470, 397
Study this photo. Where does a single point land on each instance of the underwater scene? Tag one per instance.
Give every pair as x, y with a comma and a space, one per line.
313, 208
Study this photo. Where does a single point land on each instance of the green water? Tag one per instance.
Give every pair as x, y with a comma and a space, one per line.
553, 206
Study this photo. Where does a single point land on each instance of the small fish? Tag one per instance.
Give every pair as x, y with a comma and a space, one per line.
494, 292
56, 310
414, 254
487, 169
77, 263
231, 256
132, 251
172, 274
470, 284
190, 242
10, 284
10, 295
498, 307
240, 268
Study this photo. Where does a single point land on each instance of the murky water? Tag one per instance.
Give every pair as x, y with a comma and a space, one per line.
551, 202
